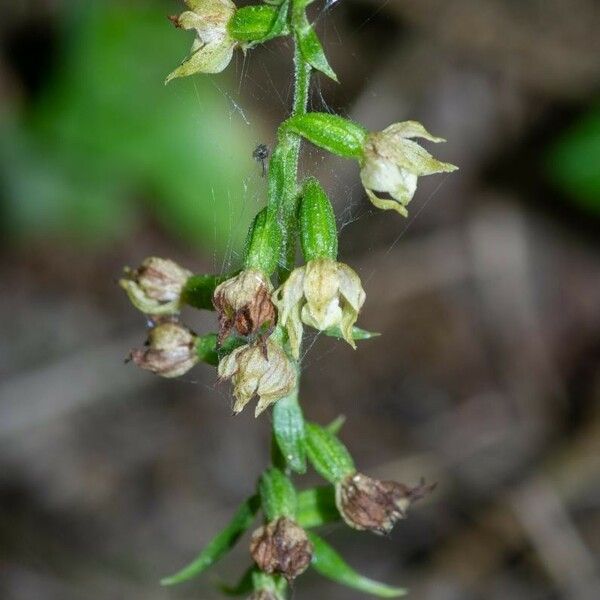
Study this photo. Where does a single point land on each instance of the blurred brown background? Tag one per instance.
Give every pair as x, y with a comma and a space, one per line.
487, 376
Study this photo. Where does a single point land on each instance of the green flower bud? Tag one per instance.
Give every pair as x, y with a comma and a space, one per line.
327, 454
318, 231
259, 22
263, 243
333, 133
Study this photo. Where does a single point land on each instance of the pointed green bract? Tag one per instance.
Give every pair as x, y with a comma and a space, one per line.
220, 544
312, 51
328, 455
358, 334
288, 429
330, 564
316, 506
243, 587
277, 495
333, 133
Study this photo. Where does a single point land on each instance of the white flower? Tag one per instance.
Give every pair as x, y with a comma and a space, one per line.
392, 162
323, 294
258, 369
213, 47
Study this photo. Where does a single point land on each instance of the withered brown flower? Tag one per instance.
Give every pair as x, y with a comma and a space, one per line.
155, 286
170, 350
370, 504
244, 304
281, 546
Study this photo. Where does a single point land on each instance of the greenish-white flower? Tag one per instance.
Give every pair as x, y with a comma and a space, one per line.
155, 287
261, 369
213, 47
323, 294
392, 162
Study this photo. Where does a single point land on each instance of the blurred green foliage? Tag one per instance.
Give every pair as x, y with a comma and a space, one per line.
107, 131
574, 162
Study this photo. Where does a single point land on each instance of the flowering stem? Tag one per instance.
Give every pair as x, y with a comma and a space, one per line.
283, 172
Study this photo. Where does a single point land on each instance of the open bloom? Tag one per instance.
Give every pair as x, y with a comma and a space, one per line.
155, 286
244, 303
374, 505
170, 351
392, 163
213, 47
258, 369
323, 294
281, 546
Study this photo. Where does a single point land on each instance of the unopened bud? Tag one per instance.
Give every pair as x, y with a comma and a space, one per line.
155, 286
281, 546
244, 304
374, 505
170, 351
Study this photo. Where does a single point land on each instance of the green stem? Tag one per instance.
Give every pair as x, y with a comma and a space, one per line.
283, 180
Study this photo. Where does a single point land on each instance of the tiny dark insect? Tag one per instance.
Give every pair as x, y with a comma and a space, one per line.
260, 154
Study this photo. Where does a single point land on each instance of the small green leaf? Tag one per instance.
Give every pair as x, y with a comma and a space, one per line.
312, 51
288, 429
336, 425
263, 243
258, 23
318, 230
331, 132
220, 544
277, 495
357, 333
243, 587
316, 507
330, 564
199, 289
328, 455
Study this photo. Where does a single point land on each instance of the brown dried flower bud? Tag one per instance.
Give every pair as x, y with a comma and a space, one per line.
155, 286
367, 503
244, 303
281, 546
170, 351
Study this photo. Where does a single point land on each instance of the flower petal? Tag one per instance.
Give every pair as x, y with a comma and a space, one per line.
411, 129
321, 287
210, 58
351, 287
385, 204
410, 156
